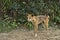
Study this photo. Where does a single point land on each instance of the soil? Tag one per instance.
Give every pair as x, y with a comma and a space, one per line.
23, 34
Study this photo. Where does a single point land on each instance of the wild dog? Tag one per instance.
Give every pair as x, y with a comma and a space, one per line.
37, 20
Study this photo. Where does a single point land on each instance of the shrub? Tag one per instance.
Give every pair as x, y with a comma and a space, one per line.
18, 10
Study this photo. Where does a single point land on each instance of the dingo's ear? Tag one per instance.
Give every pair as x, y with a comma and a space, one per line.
29, 14
32, 14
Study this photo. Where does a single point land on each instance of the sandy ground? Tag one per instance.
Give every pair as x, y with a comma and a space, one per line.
21, 34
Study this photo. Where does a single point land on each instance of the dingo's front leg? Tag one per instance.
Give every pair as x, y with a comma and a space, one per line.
35, 30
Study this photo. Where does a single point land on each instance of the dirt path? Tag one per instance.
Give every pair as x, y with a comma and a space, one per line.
29, 35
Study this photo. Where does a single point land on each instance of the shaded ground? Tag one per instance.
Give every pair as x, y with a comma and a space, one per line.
21, 34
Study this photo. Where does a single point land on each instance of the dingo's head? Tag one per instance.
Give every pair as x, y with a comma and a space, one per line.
29, 16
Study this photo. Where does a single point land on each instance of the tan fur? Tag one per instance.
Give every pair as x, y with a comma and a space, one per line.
37, 20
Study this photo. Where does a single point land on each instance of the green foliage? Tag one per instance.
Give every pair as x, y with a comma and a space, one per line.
29, 25
6, 25
22, 19
21, 8
6, 4
57, 19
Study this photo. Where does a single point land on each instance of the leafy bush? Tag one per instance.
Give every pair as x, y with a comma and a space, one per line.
6, 25
17, 9
29, 25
